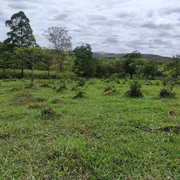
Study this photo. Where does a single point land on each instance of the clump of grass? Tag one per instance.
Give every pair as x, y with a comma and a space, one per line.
164, 93
74, 88
157, 82
55, 101
34, 105
31, 86
61, 88
22, 99
48, 113
39, 99
6, 80
79, 94
135, 90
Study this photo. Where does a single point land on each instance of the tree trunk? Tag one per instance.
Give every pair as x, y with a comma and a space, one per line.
22, 71
4, 73
32, 74
14, 72
48, 73
131, 76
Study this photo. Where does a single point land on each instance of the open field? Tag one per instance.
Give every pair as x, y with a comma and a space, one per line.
99, 136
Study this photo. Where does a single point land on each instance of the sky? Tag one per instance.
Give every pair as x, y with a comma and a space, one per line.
115, 26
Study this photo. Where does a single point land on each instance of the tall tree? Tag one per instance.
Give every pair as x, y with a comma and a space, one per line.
48, 58
20, 34
6, 60
60, 41
85, 64
131, 61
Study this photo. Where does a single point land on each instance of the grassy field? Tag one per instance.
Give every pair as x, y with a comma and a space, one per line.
99, 136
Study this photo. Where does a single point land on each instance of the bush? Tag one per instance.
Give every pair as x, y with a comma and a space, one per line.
61, 88
114, 77
164, 82
82, 82
79, 94
135, 90
164, 93
55, 101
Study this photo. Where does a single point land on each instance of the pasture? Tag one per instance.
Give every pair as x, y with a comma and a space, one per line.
46, 134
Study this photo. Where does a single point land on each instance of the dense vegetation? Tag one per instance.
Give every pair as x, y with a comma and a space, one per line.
85, 117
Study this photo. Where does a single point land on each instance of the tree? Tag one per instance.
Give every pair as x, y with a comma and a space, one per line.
6, 60
171, 73
131, 61
34, 55
20, 33
149, 69
47, 59
85, 64
60, 41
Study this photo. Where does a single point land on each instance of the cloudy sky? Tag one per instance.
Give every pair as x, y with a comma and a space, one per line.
149, 26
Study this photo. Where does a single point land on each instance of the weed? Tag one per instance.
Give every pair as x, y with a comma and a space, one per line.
79, 94
135, 90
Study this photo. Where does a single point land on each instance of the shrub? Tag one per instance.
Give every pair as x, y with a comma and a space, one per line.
55, 101
81, 82
48, 113
79, 94
164, 82
135, 90
61, 88
164, 93
114, 77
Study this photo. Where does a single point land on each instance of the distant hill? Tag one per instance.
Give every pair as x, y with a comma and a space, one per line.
120, 55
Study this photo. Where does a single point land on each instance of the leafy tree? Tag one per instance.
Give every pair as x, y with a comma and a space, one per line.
84, 64
6, 59
48, 58
131, 61
20, 34
171, 76
34, 55
149, 69
60, 41
21, 57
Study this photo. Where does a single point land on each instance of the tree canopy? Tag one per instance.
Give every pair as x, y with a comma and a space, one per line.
20, 33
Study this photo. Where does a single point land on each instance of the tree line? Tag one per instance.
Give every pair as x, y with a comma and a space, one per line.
21, 51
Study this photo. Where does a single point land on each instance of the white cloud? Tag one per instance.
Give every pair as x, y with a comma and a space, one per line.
149, 26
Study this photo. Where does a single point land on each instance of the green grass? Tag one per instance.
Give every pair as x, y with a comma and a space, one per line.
96, 137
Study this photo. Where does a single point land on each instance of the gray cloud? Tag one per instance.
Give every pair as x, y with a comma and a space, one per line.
170, 11
60, 17
109, 25
125, 15
19, 6
111, 40
152, 25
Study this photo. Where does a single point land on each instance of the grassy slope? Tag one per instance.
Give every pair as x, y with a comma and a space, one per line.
98, 137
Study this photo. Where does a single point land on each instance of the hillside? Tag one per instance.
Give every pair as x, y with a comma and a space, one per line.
120, 55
